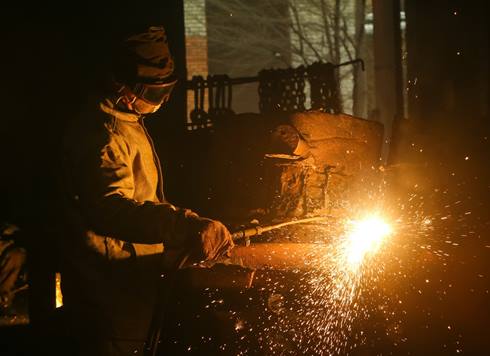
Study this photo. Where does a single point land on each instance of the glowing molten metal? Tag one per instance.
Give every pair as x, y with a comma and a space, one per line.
364, 237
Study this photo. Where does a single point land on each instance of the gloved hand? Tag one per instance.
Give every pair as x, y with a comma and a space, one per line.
11, 263
207, 239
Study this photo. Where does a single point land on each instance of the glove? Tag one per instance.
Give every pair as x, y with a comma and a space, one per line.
11, 263
207, 239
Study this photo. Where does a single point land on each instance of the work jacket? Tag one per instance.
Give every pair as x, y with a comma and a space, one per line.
116, 223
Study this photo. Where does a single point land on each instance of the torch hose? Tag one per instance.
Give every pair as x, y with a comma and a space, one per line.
259, 230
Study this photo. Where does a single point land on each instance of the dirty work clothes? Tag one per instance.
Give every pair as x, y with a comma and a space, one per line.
115, 220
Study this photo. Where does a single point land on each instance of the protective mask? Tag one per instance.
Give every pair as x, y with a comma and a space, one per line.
154, 93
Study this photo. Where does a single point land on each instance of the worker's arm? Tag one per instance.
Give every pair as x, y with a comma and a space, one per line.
106, 184
103, 188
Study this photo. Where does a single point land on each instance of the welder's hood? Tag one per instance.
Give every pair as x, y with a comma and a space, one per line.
143, 57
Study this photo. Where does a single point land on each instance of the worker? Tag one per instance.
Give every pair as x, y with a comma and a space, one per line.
117, 220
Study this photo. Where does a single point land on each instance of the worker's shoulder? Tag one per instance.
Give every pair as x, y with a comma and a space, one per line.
90, 128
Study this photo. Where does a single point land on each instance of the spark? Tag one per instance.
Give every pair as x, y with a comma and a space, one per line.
341, 274
364, 239
364, 272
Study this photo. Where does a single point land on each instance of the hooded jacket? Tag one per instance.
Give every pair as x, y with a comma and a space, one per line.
117, 223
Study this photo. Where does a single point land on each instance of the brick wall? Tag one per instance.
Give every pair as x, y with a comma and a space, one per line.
196, 43
196, 37
197, 55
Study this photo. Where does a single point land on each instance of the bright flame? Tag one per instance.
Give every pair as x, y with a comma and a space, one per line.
59, 295
364, 238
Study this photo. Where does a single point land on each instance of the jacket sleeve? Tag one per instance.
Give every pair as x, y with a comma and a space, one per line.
106, 187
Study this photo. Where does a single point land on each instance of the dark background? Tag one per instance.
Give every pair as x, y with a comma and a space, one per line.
50, 56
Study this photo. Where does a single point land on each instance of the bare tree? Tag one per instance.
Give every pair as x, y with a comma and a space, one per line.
330, 31
247, 36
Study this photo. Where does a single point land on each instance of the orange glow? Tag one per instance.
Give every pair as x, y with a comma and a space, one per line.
59, 295
364, 238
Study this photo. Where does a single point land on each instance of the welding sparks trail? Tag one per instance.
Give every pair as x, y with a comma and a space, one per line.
344, 272
364, 239
331, 301
375, 282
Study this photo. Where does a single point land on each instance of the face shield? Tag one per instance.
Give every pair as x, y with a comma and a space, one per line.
154, 93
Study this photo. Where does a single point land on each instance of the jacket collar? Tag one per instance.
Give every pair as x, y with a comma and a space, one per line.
108, 107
